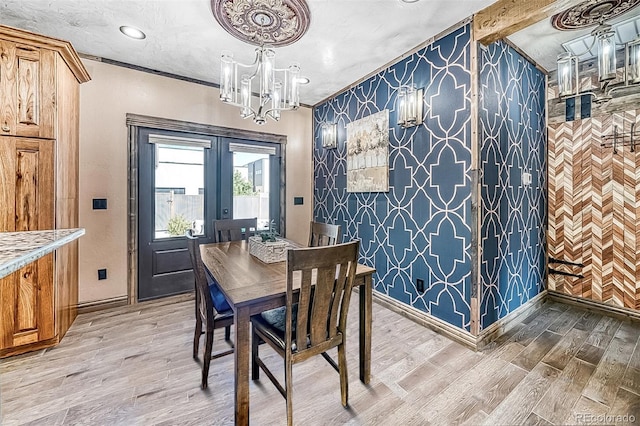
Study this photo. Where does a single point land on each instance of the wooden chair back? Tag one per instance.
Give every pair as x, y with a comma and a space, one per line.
234, 229
321, 319
204, 303
324, 234
205, 312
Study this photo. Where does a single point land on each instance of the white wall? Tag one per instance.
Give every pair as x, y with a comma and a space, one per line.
104, 102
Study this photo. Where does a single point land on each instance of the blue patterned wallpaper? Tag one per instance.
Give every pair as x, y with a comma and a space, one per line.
421, 228
513, 216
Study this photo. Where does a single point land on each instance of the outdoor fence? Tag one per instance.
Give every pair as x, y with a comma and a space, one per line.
191, 207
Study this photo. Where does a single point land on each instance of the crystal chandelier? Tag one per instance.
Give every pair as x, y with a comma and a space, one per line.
276, 89
260, 89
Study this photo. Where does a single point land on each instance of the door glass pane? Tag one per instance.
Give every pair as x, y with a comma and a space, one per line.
251, 180
179, 190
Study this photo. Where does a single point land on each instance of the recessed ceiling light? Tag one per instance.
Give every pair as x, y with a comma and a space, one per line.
132, 32
303, 80
410, 1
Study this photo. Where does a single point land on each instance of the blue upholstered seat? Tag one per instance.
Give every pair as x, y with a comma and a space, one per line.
219, 301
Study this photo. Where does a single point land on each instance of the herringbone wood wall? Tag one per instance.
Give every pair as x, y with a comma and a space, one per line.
594, 210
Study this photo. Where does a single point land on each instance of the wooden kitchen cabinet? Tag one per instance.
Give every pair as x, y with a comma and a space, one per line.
39, 141
26, 296
28, 90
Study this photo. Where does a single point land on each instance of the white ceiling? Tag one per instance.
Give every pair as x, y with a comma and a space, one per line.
347, 39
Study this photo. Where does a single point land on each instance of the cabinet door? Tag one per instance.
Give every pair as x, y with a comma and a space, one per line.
8, 88
27, 84
26, 204
26, 297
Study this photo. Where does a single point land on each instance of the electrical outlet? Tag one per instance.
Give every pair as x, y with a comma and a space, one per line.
420, 285
102, 274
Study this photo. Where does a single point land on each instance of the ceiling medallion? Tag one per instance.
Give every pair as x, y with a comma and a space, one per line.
591, 12
263, 22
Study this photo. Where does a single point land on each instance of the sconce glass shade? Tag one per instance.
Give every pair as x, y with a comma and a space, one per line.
409, 106
567, 74
273, 95
606, 53
329, 136
633, 61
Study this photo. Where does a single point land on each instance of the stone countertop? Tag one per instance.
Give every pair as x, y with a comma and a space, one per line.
18, 249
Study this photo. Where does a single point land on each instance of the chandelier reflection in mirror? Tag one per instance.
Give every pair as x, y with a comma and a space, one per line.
276, 89
604, 39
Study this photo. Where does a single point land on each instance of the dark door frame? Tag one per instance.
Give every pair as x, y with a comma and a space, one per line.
164, 267
134, 122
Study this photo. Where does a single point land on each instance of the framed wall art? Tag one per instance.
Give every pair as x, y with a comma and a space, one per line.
368, 153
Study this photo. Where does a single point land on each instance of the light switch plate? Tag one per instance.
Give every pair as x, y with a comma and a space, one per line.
526, 178
99, 203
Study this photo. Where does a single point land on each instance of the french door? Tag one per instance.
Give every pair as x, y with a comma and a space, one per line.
185, 181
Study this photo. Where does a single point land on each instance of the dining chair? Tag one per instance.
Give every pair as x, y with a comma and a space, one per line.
225, 230
234, 229
206, 313
315, 324
324, 234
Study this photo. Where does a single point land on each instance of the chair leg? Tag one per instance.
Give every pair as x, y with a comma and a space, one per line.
196, 337
344, 380
207, 359
227, 333
255, 368
288, 387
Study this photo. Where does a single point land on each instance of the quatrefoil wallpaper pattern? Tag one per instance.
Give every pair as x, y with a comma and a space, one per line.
513, 215
421, 227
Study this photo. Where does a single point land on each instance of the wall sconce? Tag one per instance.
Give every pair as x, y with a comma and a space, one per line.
409, 106
329, 136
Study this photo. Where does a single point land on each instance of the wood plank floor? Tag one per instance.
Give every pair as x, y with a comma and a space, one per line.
133, 366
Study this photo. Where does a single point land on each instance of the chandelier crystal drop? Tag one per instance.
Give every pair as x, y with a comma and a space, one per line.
275, 89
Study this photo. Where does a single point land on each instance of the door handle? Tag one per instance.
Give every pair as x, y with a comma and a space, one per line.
5, 128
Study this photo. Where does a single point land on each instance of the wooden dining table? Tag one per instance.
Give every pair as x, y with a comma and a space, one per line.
252, 287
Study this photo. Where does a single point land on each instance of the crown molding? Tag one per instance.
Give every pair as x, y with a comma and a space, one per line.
64, 48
